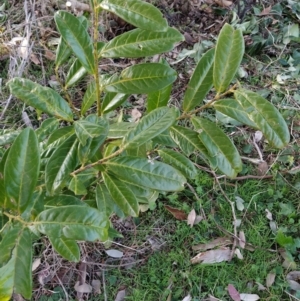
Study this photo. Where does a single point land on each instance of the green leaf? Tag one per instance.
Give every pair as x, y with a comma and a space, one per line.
119, 130
60, 135
219, 147
76, 185
122, 195
22, 168
89, 98
113, 100
158, 98
188, 140
164, 139
233, 109
8, 137
76, 72
67, 248
41, 98
47, 127
76, 36
267, 118
154, 175
61, 163
200, 82
63, 52
73, 222
138, 13
17, 272
63, 200
179, 161
85, 129
104, 200
141, 43
141, 78
228, 56
150, 126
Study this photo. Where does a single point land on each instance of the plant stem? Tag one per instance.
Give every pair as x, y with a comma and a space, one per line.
18, 218
207, 105
96, 60
116, 153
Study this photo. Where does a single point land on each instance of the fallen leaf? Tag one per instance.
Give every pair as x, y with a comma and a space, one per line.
239, 203
36, 264
198, 219
121, 295
187, 298
218, 242
135, 114
213, 256
114, 253
49, 55
23, 50
242, 239
188, 38
258, 136
288, 263
237, 222
191, 218
96, 284
249, 297
78, 6
269, 215
273, 226
233, 293
266, 11
270, 279
223, 3
178, 214
262, 168
83, 288
293, 280
212, 298
261, 287
238, 254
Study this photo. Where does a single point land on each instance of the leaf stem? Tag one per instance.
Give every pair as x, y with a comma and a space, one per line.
207, 105
18, 218
96, 59
116, 153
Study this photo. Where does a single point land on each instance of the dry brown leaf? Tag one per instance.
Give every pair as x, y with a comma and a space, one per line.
23, 49
34, 59
121, 295
78, 6
238, 254
260, 286
249, 297
223, 3
262, 168
293, 280
36, 264
83, 288
218, 242
266, 11
234, 294
178, 214
198, 219
135, 114
187, 298
242, 239
270, 279
96, 284
288, 263
268, 215
50, 55
212, 298
213, 256
191, 218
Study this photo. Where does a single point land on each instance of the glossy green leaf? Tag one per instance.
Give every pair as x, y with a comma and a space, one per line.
104, 200
113, 100
76, 72
77, 186
22, 168
188, 140
85, 129
8, 137
61, 163
141, 43
164, 139
17, 271
150, 126
200, 82
47, 127
76, 36
121, 194
41, 98
60, 135
158, 98
233, 109
63, 52
73, 222
143, 172
67, 248
63, 200
141, 78
228, 56
120, 129
219, 146
178, 161
89, 98
267, 118
138, 13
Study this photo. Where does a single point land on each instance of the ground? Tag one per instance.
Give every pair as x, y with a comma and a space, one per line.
151, 260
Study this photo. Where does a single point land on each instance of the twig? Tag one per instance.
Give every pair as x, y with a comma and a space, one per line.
61, 284
104, 265
104, 285
198, 199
